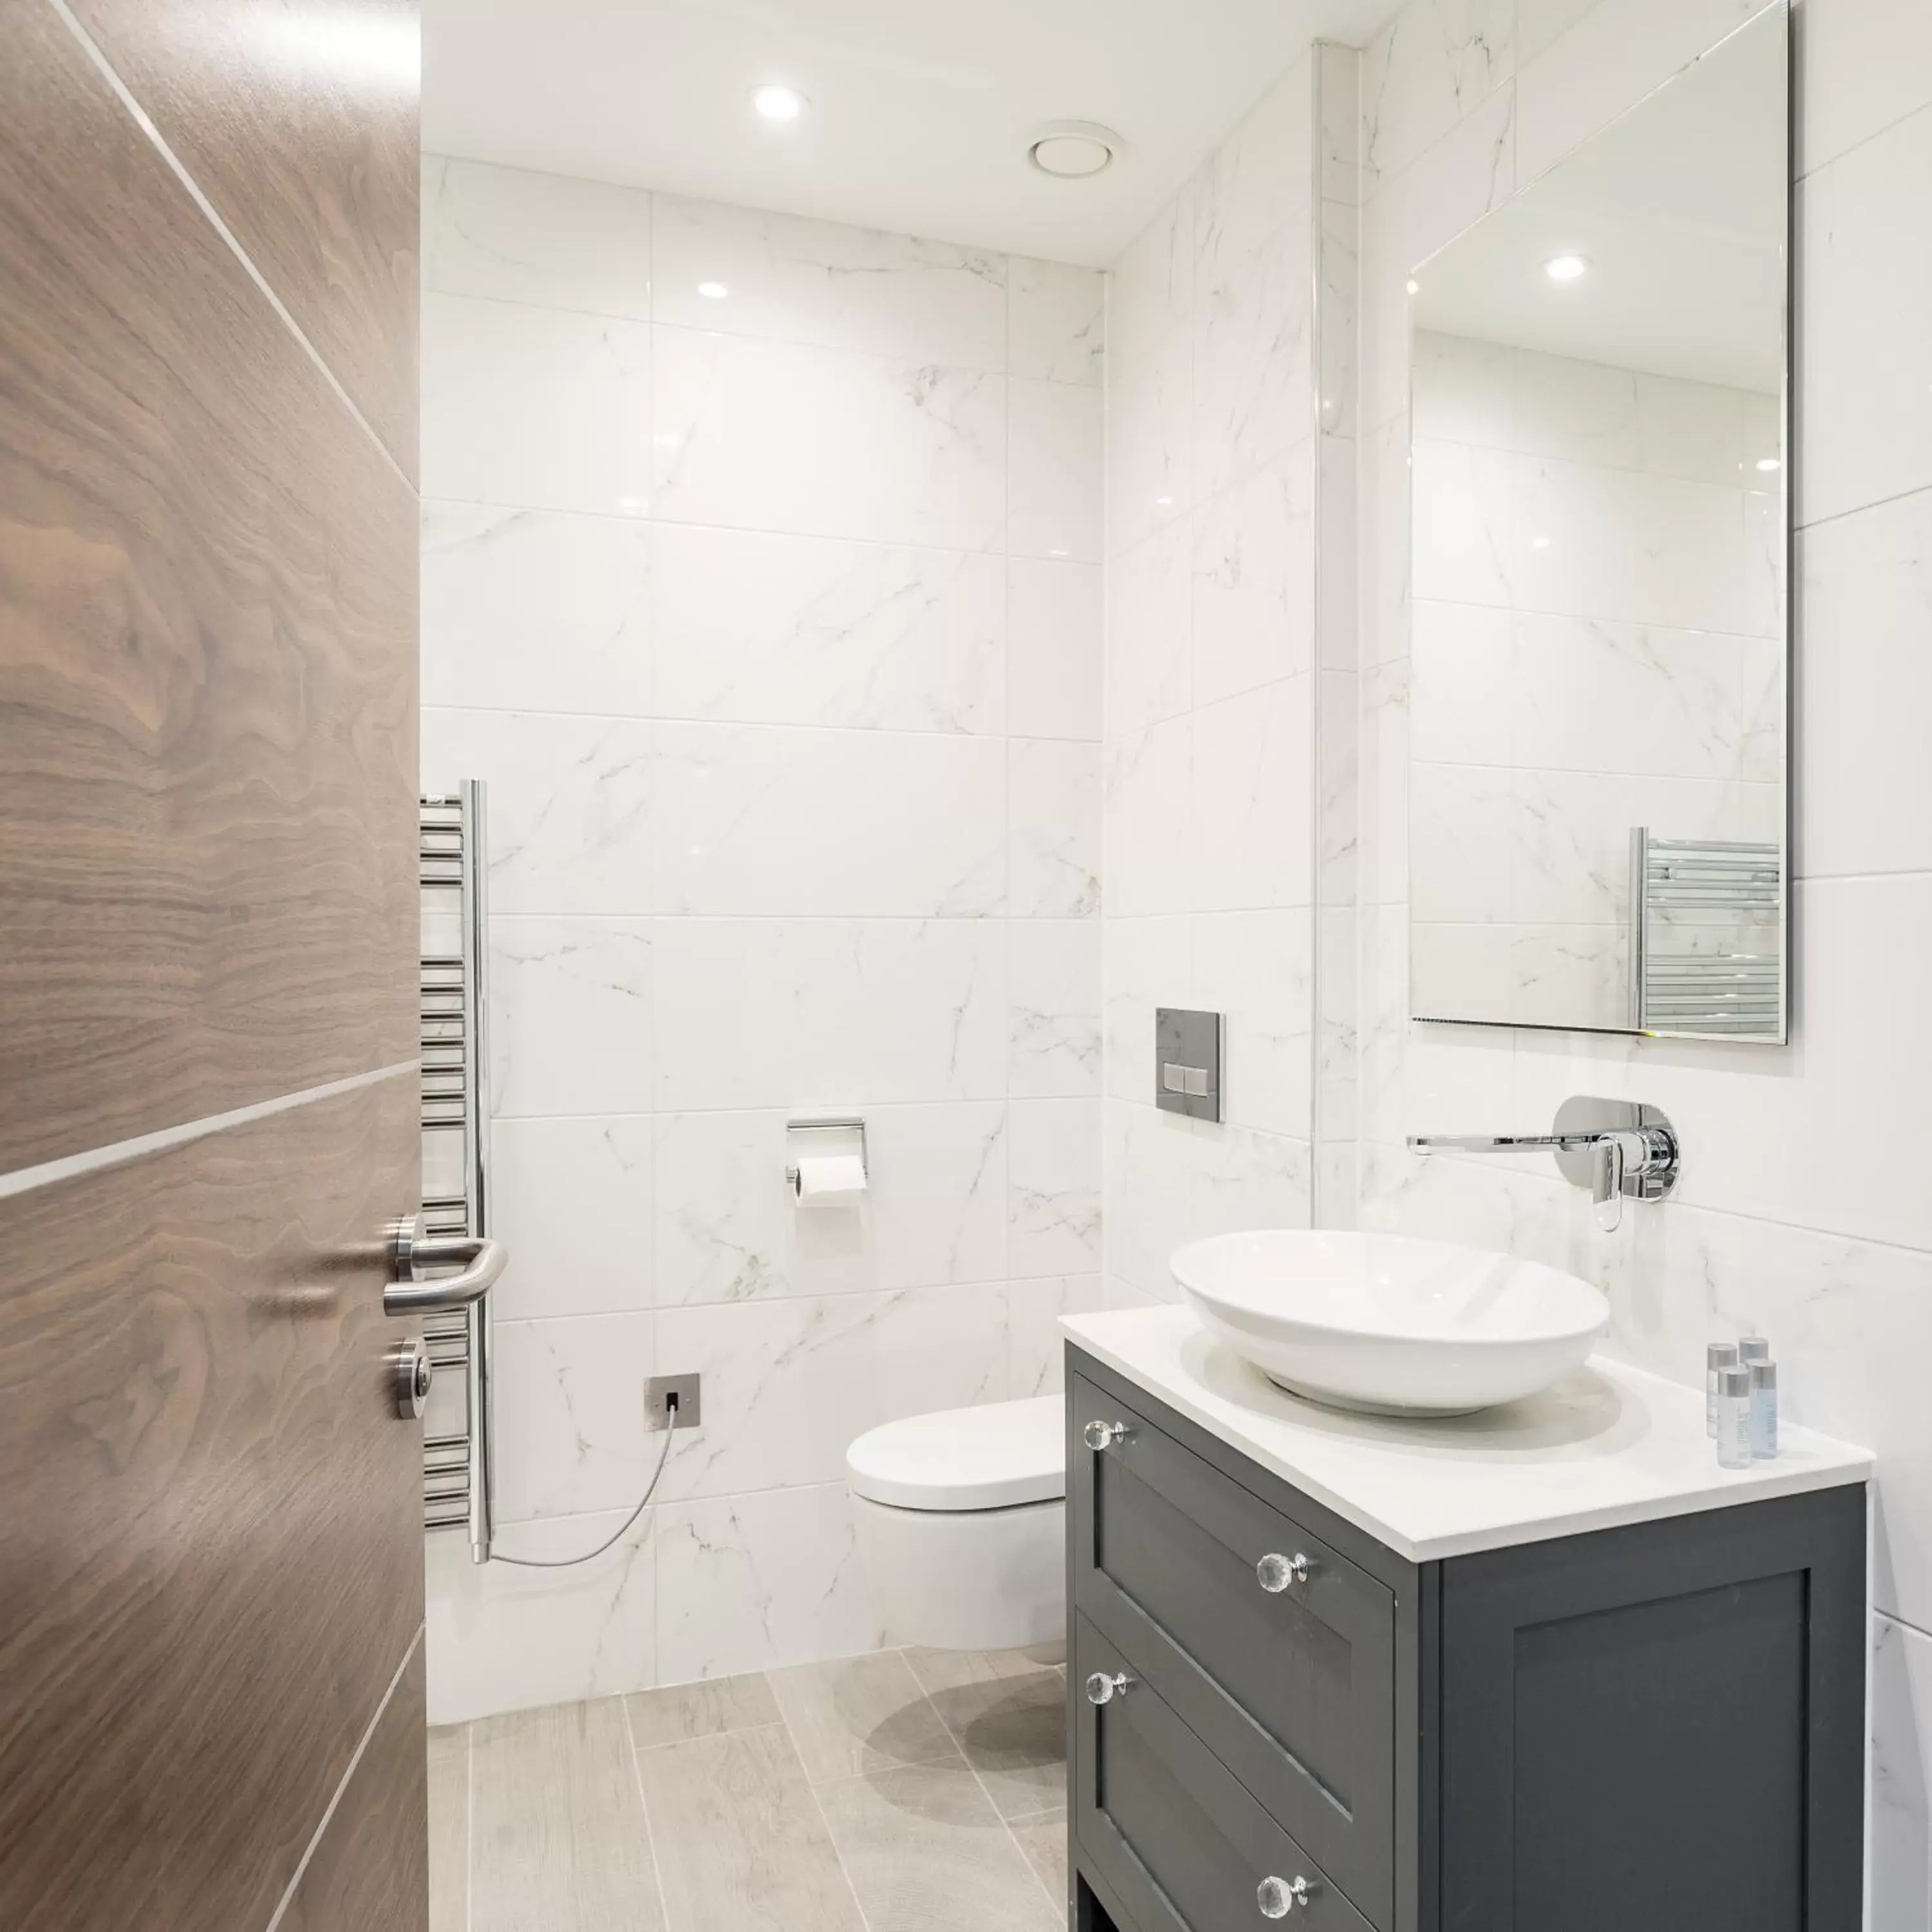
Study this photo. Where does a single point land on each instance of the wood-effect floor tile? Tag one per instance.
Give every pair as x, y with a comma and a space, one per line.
715, 1705
1008, 1713
742, 1845
926, 1851
449, 1829
860, 1713
559, 1840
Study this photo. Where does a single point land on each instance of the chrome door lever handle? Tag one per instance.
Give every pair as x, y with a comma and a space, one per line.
413, 1290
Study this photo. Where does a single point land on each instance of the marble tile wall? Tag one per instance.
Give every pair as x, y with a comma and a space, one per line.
1596, 641
762, 582
1228, 429
1804, 1210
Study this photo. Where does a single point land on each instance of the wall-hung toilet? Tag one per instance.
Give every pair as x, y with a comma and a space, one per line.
960, 1518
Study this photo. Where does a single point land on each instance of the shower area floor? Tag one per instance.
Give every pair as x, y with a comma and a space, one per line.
905, 1791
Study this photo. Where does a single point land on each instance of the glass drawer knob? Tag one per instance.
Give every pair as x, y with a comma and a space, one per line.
1104, 1435
1275, 1573
1103, 1688
1277, 1897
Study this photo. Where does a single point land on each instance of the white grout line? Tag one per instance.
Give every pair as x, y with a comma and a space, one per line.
143, 120
644, 1811
362, 1745
69, 1166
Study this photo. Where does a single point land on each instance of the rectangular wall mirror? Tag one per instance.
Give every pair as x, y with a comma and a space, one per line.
1599, 471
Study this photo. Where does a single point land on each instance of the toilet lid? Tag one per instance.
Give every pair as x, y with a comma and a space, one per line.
989, 1457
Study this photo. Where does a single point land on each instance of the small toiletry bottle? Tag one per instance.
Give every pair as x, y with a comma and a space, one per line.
1734, 1417
1753, 1349
1718, 1356
1763, 1411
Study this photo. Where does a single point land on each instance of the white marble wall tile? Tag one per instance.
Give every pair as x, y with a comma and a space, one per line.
1423, 74
570, 1015
1244, 1179
1466, 507
1337, 1071
1864, 404
1151, 438
534, 610
1146, 807
748, 1582
788, 1384
1339, 104
1900, 1884
726, 1228
761, 820
1865, 690
1053, 828
1383, 795
518, 236
571, 1199
503, 1639
1055, 436
939, 1188
758, 628
759, 435
1149, 591
1382, 534
1149, 964
822, 1013
1339, 272
822, 283
1150, 1159
1863, 65
1259, 181
1053, 1188
1540, 24
569, 805
568, 1425
1055, 632
535, 408
1471, 170
1251, 833
1036, 1348
1256, 970
1254, 579
1462, 389
1150, 288
1706, 433
1254, 359
1053, 974
1055, 321
1463, 698
1340, 640
1606, 64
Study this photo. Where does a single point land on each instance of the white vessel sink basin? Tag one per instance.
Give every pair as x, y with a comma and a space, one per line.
1391, 1325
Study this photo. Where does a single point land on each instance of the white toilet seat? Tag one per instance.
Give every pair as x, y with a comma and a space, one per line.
960, 1518
991, 1457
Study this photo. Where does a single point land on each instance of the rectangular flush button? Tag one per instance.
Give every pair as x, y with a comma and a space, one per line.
1187, 1062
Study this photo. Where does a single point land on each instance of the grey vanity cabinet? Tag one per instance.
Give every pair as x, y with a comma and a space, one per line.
1660, 1724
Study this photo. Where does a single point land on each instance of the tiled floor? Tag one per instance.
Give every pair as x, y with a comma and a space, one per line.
908, 1791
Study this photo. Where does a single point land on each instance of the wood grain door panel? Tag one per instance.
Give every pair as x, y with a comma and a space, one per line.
208, 620
298, 122
211, 1558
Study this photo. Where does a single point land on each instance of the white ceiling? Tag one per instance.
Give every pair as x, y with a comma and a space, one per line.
1680, 209
922, 110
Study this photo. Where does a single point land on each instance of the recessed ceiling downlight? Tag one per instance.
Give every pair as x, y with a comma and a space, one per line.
1566, 267
774, 102
1071, 150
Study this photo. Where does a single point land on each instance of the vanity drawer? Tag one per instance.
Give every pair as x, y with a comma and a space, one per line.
1292, 1689
1173, 1832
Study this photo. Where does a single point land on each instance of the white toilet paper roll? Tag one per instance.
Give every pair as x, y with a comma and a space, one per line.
830, 1179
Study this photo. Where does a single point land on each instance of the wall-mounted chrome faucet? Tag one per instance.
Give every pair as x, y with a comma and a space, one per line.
1614, 1148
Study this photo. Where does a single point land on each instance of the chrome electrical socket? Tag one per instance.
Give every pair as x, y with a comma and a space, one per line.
658, 1392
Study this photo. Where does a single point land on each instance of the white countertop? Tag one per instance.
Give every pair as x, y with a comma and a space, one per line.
1605, 1446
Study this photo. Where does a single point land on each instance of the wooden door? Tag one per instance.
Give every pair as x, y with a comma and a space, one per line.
211, 1540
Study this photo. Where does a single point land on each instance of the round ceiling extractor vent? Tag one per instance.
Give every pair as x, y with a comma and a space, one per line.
1072, 149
